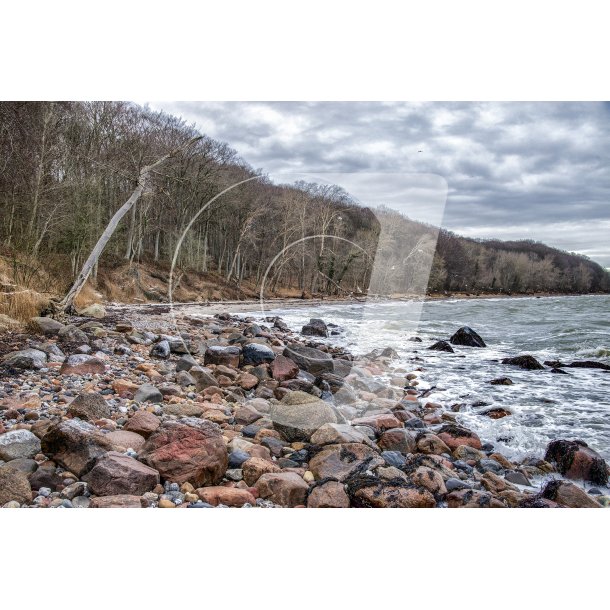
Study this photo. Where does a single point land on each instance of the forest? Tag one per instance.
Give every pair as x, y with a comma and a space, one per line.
67, 167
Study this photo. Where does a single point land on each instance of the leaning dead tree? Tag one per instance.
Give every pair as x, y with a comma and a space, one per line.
67, 303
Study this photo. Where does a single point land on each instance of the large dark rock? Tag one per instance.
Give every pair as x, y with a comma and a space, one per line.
442, 346
315, 327
468, 337
255, 353
75, 444
576, 460
313, 360
525, 362
161, 350
589, 364
218, 354
568, 494
90, 407
25, 359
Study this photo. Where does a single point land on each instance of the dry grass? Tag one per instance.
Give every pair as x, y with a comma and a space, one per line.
87, 296
23, 304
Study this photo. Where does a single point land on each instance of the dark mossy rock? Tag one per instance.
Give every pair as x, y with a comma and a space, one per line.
442, 346
526, 362
468, 337
576, 460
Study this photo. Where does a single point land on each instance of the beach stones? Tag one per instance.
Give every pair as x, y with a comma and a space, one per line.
526, 362
218, 354
256, 353
25, 359
255, 467
75, 444
442, 346
299, 415
576, 460
161, 350
310, 359
14, 486
471, 498
143, 423
330, 434
398, 439
315, 327
229, 496
46, 326
328, 495
283, 488
90, 407
501, 381
384, 495
468, 337
568, 494
115, 474
18, 444
454, 436
148, 393
283, 368
119, 501
82, 364
339, 461
193, 452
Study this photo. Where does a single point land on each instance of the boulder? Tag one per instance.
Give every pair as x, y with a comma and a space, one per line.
339, 461
336, 434
116, 474
283, 368
398, 439
312, 360
454, 436
218, 354
253, 468
148, 393
95, 310
328, 495
501, 381
122, 440
442, 346
468, 337
203, 378
73, 335
161, 350
299, 415
256, 353
471, 498
429, 479
25, 359
82, 364
576, 460
90, 407
18, 444
186, 363
431, 444
283, 488
525, 362
589, 364
190, 450
142, 422
568, 494
75, 444
229, 496
315, 327
14, 486
46, 326
384, 495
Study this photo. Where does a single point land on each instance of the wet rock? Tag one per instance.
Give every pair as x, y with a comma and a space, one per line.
315, 327
82, 364
283, 368
398, 439
429, 479
90, 407
393, 458
46, 326
193, 452
557, 371
568, 494
256, 353
467, 453
237, 458
379, 423
589, 364
431, 444
229, 496
454, 436
148, 393
120, 501
525, 362
310, 359
143, 423
383, 495
576, 460
218, 354
161, 350
501, 381
283, 488
75, 444
470, 498
14, 486
496, 413
495, 484
116, 474
517, 478
453, 484
331, 434
25, 359
468, 337
18, 444
299, 415
442, 346
339, 461
328, 495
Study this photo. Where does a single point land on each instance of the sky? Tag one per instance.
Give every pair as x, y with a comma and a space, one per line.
535, 170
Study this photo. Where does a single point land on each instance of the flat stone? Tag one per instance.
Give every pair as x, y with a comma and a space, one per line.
90, 407
120, 501
117, 474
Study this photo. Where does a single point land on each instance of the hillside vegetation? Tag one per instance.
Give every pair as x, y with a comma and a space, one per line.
66, 167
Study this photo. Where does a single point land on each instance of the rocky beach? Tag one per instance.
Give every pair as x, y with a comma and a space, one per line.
149, 408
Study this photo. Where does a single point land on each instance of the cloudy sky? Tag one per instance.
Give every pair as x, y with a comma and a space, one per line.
489, 170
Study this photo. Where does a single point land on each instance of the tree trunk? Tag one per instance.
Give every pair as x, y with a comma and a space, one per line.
66, 304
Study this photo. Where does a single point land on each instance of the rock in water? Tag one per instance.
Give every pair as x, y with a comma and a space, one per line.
18, 444
576, 460
313, 360
568, 494
315, 327
299, 415
75, 444
468, 337
14, 486
442, 346
589, 364
255, 353
115, 474
194, 451
525, 362
25, 359
90, 407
